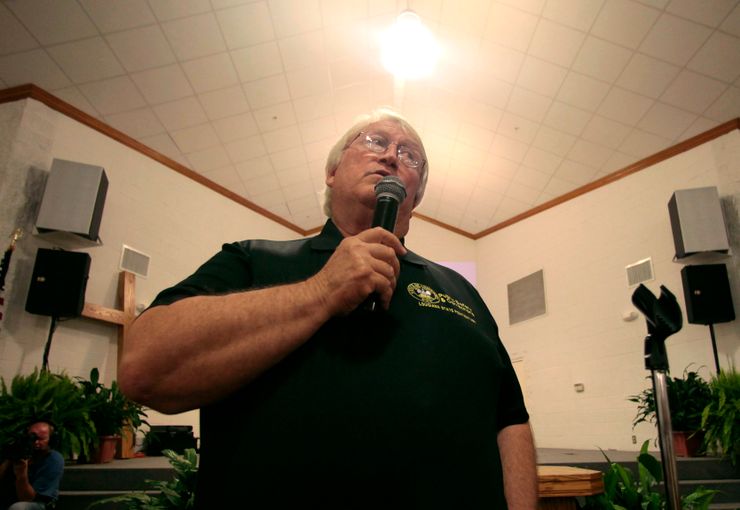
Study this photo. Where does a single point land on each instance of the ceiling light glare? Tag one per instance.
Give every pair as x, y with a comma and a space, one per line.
408, 49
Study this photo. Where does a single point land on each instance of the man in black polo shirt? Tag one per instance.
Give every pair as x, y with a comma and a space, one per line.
307, 401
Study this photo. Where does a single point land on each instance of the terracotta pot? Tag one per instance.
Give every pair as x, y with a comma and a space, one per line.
105, 451
687, 444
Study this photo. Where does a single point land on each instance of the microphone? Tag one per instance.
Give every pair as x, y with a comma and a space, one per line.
390, 193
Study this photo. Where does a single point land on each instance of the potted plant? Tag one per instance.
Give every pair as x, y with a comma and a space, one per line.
110, 411
55, 398
687, 398
721, 416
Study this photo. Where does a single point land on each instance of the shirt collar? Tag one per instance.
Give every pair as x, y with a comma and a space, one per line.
330, 237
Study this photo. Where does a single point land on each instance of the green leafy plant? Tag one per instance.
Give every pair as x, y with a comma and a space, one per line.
110, 409
721, 416
687, 398
624, 491
56, 398
176, 494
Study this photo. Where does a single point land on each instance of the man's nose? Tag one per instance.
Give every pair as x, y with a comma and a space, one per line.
390, 154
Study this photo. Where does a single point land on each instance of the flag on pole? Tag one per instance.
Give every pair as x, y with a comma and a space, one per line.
4, 266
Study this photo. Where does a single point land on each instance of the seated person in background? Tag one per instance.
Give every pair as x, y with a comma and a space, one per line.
32, 483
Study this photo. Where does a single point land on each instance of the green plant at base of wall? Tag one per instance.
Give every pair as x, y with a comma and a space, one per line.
110, 410
177, 494
622, 491
721, 417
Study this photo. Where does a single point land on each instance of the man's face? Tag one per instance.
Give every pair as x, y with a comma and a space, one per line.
360, 169
42, 432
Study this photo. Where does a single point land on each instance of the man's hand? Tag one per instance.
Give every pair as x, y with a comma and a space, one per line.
361, 265
20, 468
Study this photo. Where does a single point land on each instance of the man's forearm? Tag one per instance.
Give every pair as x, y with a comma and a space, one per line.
23, 489
519, 463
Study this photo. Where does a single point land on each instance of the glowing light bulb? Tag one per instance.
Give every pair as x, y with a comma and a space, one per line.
408, 48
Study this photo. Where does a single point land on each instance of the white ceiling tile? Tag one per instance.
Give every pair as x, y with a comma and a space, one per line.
300, 197
33, 66
309, 81
316, 152
162, 84
533, 6
532, 178
53, 21
517, 128
567, 118
732, 23
554, 141
583, 91
478, 113
510, 207
163, 144
245, 149
181, 113
624, 22
350, 102
491, 91
114, 16
295, 175
709, 13
206, 160
136, 123
235, 127
605, 132
617, 161
312, 107
210, 73
499, 61
342, 12
674, 39
726, 107
642, 144
693, 92
141, 48
574, 172
601, 59
73, 96
508, 148
718, 58
246, 25
666, 121
541, 77
348, 72
556, 43
475, 136
226, 177
224, 102
658, 4
287, 159
166, 10
557, 186
114, 95
195, 138
589, 153
253, 168
274, 117
579, 14
523, 193
282, 139
528, 104
271, 200
304, 50
257, 61
509, 26
318, 129
542, 161
267, 91
291, 18
699, 126
647, 76
195, 36
624, 106
13, 37
336, 37
86, 60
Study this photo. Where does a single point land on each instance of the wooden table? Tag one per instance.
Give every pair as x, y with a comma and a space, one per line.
558, 485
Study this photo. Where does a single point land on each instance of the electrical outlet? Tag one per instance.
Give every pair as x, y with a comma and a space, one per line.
634, 439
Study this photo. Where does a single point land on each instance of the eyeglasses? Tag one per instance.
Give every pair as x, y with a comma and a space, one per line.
377, 143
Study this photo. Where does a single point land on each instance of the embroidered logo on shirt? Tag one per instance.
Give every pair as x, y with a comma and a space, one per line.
429, 298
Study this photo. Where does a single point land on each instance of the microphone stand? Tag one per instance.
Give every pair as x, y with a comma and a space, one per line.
663, 318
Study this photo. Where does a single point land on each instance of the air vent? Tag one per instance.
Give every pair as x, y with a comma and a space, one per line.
134, 261
639, 272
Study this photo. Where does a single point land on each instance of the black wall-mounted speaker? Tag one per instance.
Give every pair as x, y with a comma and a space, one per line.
58, 283
706, 290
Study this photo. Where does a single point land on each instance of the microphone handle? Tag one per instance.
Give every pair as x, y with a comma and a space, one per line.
386, 212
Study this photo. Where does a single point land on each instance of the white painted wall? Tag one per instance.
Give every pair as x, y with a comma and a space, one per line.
583, 246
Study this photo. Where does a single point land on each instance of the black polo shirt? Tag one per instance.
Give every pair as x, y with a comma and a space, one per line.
382, 410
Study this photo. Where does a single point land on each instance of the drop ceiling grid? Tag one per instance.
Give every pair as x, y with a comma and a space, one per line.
533, 98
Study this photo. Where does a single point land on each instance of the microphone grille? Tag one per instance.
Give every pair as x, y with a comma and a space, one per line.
391, 186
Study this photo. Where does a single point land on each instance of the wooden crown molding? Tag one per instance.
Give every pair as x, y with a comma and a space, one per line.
53, 102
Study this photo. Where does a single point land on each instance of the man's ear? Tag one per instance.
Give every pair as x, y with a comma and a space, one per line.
330, 177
